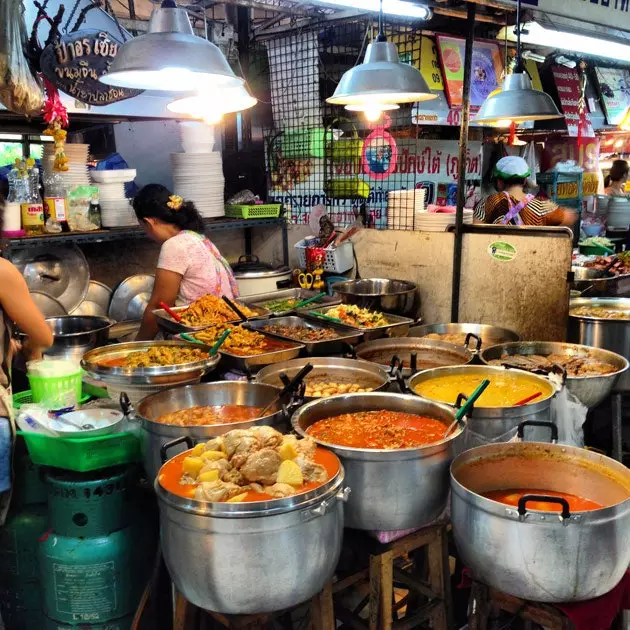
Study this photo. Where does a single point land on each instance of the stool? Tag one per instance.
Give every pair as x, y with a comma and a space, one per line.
486, 602
189, 617
384, 565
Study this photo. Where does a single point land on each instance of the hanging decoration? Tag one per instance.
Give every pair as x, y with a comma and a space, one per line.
583, 124
56, 115
380, 153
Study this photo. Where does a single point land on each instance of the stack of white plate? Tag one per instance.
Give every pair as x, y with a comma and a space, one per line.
402, 206
77, 173
116, 209
197, 137
198, 177
439, 221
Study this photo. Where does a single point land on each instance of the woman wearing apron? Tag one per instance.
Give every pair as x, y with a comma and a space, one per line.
189, 265
512, 205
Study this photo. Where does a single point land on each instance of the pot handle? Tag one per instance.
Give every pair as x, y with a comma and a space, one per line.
348, 350
184, 439
538, 423
325, 506
469, 338
543, 498
127, 407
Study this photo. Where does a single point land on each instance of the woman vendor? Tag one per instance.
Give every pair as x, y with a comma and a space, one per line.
615, 181
512, 205
189, 265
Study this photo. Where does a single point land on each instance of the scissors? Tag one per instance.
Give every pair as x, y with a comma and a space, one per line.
305, 280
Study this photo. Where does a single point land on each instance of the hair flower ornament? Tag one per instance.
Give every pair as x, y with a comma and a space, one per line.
175, 202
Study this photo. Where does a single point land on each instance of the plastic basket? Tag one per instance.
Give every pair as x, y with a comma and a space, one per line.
82, 455
56, 392
26, 398
303, 143
260, 211
337, 260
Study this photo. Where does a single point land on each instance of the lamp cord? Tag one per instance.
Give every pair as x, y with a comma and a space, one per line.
381, 35
518, 65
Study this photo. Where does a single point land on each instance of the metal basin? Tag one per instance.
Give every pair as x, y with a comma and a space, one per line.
590, 390
536, 555
489, 335
381, 294
248, 558
391, 489
496, 422
608, 334
155, 434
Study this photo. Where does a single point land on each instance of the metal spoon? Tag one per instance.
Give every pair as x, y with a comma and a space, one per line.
80, 427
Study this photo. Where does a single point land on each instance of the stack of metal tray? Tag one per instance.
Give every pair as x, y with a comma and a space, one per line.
346, 335
261, 299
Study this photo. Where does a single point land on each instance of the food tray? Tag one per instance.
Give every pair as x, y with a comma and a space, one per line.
347, 335
83, 454
337, 260
168, 325
255, 211
286, 294
166, 375
231, 361
398, 326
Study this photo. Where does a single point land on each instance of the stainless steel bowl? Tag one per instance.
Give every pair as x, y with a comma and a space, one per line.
391, 489
590, 278
381, 294
591, 390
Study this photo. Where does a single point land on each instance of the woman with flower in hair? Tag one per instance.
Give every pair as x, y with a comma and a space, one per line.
189, 265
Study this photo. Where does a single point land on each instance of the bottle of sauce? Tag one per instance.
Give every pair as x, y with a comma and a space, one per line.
31, 206
55, 208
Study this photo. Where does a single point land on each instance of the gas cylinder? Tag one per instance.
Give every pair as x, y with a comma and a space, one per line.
96, 560
20, 593
117, 624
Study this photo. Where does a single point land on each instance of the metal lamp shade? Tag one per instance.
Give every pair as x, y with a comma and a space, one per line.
170, 57
518, 101
381, 78
233, 99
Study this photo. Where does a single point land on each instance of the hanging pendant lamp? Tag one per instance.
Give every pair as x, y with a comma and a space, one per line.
170, 57
381, 81
209, 108
518, 101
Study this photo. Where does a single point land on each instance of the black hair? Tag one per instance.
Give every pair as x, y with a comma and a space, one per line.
618, 171
511, 181
152, 203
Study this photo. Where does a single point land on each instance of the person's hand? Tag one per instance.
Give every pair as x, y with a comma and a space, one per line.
14, 348
30, 352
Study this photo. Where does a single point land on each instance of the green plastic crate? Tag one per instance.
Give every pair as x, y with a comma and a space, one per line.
260, 211
83, 454
26, 398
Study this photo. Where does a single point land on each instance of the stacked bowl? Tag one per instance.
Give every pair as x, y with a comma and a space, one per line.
198, 177
116, 210
77, 173
439, 219
402, 207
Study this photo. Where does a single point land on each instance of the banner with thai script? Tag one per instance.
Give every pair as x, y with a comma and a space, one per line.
299, 183
568, 85
586, 155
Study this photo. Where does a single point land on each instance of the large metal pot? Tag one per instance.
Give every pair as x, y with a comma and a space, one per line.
590, 390
609, 334
496, 422
155, 434
391, 489
537, 555
415, 354
489, 335
75, 335
381, 294
247, 558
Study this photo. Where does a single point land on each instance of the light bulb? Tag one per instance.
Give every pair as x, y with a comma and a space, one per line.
212, 117
372, 114
504, 124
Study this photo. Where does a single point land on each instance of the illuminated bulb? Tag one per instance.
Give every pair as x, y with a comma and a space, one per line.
504, 124
212, 118
372, 114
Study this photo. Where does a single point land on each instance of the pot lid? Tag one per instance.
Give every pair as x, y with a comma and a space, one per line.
249, 266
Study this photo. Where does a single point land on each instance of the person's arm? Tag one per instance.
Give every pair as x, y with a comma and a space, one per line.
165, 289
18, 304
557, 215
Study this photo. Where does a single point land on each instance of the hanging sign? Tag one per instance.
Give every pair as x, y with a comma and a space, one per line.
614, 86
380, 153
74, 63
430, 65
568, 85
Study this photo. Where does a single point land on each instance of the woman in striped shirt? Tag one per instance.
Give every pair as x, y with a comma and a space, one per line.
512, 205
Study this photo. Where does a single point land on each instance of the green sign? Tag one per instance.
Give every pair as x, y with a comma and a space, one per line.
502, 251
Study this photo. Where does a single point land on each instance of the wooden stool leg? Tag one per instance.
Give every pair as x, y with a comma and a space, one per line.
184, 613
322, 610
381, 589
479, 607
440, 580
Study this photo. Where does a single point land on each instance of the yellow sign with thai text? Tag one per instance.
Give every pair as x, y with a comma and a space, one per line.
429, 64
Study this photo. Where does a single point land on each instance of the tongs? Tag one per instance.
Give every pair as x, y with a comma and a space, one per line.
293, 384
235, 308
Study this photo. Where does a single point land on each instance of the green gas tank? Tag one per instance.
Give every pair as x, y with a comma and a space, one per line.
96, 561
116, 624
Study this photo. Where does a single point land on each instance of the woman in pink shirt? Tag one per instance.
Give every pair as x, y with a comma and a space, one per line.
189, 266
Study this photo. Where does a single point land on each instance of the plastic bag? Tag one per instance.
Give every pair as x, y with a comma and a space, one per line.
20, 91
35, 419
569, 415
79, 216
529, 155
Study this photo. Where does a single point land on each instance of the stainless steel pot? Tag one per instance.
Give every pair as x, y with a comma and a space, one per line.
155, 434
535, 555
428, 354
595, 280
495, 422
609, 334
391, 489
591, 390
75, 335
248, 558
381, 294
339, 370
489, 335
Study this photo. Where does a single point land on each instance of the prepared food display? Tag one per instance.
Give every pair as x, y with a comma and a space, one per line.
255, 464
210, 310
513, 496
209, 415
505, 390
324, 386
381, 429
600, 312
358, 317
459, 338
157, 356
302, 333
241, 341
280, 306
575, 366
